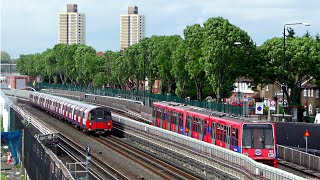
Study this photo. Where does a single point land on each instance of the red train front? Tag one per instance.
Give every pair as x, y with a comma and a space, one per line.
98, 120
256, 140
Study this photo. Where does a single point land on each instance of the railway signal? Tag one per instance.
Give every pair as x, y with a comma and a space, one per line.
306, 135
88, 150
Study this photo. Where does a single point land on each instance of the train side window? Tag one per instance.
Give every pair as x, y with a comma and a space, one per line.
217, 131
162, 114
202, 126
225, 133
158, 113
107, 115
194, 127
221, 132
169, 117
154, 111
205, 126
174, 118
180, 120
236, 137
213, 130
189, 122
76, 113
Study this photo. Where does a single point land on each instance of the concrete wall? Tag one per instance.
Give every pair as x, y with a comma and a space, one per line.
291, 134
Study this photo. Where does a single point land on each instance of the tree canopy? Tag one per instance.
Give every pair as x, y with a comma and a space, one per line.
206, 61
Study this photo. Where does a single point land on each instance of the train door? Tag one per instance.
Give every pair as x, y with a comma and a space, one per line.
73, 114
154, 115
213, 132
180, 124
173, 120
176, 124
164, 120
158, 117
161, 117
197, 128
227, 136
202, 129
82, 117
169, 120
189, 126
234, 139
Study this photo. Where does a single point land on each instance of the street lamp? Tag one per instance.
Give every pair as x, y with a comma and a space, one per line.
283, 87
238, 43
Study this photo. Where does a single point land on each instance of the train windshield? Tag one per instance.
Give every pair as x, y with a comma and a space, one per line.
258, 136
99, 115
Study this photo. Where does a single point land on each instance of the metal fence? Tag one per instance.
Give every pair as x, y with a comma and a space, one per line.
39, 161
255, 168
146, 97
300, 158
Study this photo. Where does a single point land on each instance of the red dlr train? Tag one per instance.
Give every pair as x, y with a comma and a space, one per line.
256, 140
89, 118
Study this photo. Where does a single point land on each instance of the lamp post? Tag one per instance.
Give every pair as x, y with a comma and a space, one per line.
283, 87
144, 68
220, 78
238, 43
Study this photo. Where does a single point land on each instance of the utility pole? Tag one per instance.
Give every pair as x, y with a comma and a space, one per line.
220, 78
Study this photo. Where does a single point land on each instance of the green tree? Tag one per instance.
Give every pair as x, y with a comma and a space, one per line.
194, 37
223, 61
85, 65
5, 57
179, 70
302, 55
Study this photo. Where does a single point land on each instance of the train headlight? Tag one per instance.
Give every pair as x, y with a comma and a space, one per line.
90, 124
246, 154
108, 124
270, 155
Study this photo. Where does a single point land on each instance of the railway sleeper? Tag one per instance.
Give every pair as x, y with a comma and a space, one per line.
186, 163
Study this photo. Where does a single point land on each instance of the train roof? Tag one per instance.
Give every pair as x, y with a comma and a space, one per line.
208, 112
58, 98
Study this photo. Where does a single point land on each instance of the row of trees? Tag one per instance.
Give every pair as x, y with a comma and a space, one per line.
206, 61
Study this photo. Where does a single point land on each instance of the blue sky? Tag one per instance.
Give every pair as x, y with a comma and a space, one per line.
30, 26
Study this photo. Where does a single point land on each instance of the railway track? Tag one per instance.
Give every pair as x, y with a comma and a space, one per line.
98, 169
165, 170
294, 171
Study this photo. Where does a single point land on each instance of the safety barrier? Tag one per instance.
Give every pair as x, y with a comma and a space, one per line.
25, 115
300, 158
16, 92
39, 162
210, 150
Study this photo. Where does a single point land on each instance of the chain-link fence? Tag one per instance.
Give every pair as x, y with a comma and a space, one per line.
39, 161
146, 97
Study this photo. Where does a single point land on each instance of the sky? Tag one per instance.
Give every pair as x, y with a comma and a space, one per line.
31, 26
